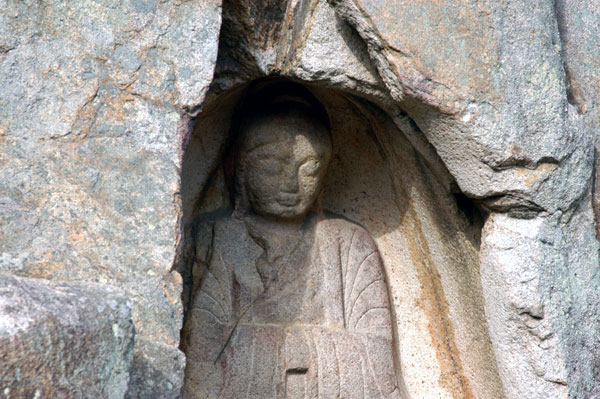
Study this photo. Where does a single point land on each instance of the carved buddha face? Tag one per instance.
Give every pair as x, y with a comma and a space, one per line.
283, 159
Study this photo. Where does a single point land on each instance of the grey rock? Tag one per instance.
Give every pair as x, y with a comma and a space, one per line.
439, 109
570, 285
526, 346
350, 69
579, 28
63, 340
575, 269
149, 381
459, 95
93, 100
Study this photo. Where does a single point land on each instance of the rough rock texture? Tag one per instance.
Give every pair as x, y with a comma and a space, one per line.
474, 105
147, 380
526, 347
579, 28
513, 127
92, 100
63, 340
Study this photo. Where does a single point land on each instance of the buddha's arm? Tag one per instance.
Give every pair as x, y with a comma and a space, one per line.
203, 247
366, 301
368, 314
212, 308
207, 328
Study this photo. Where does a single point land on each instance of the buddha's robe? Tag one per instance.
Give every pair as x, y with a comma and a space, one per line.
314, 325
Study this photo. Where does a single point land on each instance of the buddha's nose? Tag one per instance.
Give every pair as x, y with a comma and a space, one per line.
290, 183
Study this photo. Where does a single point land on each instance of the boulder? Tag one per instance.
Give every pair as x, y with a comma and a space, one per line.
63, 340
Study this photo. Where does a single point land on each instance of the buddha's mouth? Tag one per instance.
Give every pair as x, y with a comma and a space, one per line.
288, 200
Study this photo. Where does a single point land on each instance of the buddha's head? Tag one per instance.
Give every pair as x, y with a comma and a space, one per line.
283, 151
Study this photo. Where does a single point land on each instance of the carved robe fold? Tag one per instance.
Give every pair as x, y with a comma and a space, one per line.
314, 325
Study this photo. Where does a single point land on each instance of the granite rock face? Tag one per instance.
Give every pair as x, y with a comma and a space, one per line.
156, 371
63, 340
464, 138
93, 102
579, 28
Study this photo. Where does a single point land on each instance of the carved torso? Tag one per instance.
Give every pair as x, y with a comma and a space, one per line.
314, 323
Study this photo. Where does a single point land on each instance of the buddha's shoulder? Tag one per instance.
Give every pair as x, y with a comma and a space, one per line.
227, 235
217, 221
333, 220
343, 228
222, 216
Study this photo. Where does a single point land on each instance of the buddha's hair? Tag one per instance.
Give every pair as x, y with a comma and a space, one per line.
266, 99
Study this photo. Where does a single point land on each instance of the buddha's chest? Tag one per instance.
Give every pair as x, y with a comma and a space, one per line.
303, 287
304, 297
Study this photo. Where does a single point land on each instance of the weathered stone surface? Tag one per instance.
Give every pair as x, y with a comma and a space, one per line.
63, 340
149, 381
526, 347
576, 268
513, 128
92, 120
429, 100
350, 69
579, 28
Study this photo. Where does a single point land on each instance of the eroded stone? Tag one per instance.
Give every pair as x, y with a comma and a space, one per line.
92, 124
63, 340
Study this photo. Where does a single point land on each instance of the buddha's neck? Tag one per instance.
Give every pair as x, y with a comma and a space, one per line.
277, 236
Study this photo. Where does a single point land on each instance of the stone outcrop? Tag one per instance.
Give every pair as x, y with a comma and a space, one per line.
93, 99
464, 137
63, 340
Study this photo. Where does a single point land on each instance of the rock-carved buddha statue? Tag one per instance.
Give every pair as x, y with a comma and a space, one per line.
293, 301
